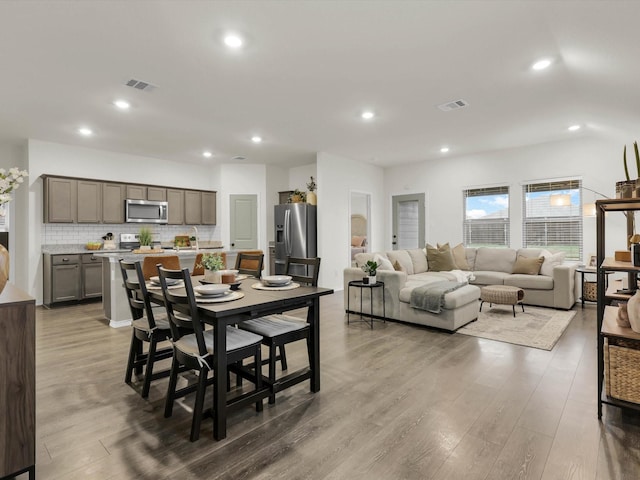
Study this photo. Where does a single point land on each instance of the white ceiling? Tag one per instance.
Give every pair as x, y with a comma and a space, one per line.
310, 68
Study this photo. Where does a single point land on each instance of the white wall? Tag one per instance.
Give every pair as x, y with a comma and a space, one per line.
597, 161
277, 181
336, 178
57, 159
300, 176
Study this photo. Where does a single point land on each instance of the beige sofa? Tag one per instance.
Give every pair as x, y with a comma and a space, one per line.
488, 266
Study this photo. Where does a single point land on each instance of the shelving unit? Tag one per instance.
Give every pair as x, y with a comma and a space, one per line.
606, 315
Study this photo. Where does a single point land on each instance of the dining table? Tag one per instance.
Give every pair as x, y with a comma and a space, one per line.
256, 302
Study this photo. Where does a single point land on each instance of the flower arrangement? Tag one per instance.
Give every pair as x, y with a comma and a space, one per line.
297, 196
144, 236
10, 181
212, 261
311, 186
370, 268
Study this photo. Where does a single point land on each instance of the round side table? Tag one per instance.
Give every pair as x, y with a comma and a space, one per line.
372, 286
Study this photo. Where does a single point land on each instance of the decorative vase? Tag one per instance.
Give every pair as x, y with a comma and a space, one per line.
145, 247
372, 279
4, 267
625, 189
623, 316
633, 310
213, 276
312, 199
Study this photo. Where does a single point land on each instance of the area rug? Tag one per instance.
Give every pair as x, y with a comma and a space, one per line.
536, 327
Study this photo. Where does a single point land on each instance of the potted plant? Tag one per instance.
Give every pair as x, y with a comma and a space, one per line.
144, 237
212, 264
297, 197
312, 199
370, 268
628, 188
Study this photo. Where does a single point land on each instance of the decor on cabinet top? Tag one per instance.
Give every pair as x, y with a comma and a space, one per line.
10, 181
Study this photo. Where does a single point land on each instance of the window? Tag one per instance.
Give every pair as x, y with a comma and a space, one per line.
486, 217
553, 217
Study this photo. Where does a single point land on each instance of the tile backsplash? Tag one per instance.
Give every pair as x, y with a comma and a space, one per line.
74, 233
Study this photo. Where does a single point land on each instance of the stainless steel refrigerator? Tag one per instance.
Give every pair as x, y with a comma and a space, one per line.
295, 229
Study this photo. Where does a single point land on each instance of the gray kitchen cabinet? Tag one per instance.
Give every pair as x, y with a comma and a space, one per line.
91, 276
158, 194
113, 195
208, 208
137, 192
60, 200
89, 199
192, 207
175, 198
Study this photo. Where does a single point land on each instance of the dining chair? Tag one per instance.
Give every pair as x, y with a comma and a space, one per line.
150, 262
277, 330
250, 263
194, 351
146, 328
198, 269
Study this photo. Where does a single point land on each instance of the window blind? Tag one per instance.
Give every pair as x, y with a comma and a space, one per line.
486, 217
553, 227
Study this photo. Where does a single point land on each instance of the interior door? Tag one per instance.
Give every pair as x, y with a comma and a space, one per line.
408, 221
244, 221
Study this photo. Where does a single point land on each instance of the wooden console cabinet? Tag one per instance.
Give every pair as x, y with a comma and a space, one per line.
17, 383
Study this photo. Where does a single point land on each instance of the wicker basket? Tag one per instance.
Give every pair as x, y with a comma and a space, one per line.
591, 291
622, 369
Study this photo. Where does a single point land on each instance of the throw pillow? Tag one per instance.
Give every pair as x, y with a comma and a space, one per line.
419, 260
551, 260
397, 267
460, 257
528, 265
440, 259
357, 241
403, 258
383, 263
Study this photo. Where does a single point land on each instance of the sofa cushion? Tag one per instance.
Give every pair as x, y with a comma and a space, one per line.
383, 262
452, 300
419, 260
428, 277
529, 252
362, 258
397, 267
551, 260
470, 253
440, 258
532, 282
460, 257
495, 259
489, 277
527, 266
403, 258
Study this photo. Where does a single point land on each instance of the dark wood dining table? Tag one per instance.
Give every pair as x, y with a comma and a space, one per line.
257, 303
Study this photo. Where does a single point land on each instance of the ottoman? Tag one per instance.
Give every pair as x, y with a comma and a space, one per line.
502, 295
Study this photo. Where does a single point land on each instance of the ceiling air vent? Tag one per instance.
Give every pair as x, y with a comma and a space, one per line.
140, 85
454, 105
238, 157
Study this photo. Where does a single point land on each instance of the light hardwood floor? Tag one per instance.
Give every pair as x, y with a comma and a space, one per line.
396, 402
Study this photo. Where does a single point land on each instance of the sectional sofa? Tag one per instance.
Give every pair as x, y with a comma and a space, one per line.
553, 286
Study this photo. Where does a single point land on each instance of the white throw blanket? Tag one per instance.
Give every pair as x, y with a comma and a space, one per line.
462, 276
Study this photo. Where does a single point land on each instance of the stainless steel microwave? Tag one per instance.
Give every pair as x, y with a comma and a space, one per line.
145, 211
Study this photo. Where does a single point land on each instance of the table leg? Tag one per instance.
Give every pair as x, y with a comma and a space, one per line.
313, 317
582, 288
220, 385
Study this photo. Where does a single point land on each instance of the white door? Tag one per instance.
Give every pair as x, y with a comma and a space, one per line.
244, 221
408, 221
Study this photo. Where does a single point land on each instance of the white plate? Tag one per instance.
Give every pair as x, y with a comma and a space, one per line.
170, 281
211, 289
276, 280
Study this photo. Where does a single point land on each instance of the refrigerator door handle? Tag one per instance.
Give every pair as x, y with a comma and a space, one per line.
287, 232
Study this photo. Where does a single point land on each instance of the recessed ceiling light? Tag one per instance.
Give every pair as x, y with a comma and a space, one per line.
233, 41
444, 149
368, 115
207, 154
573, 128
85, 131
122, 104
256, 139
541, 64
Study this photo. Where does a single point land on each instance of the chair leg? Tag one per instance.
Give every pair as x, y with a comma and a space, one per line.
138, 353
131, 360
257, 358
148, 372
239, 377
283, 357
272, 372
197, 408
171, 389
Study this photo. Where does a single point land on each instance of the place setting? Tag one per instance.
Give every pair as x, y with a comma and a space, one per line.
154, 283
275, 282
215, 293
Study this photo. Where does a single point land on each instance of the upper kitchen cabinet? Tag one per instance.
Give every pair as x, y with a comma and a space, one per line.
89, 209
175, 199
157, 194
113, 195
137, 192
192, 207
60, 200
208, 208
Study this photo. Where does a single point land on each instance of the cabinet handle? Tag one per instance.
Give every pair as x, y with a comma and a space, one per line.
65, 259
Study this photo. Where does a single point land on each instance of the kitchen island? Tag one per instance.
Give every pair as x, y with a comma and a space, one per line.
114, 298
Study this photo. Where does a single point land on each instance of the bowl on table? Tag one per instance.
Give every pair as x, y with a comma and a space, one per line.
276, 280
211, 289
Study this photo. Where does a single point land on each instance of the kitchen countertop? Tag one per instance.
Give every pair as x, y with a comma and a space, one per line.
80, 249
